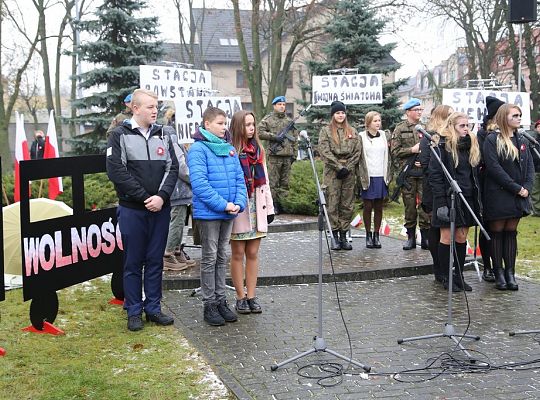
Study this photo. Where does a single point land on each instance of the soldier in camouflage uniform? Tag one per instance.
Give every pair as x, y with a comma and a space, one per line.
127, 114
339, 148
279, 162
405, 143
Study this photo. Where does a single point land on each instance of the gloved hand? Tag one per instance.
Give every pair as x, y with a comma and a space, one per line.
342, 173
279, 139
270, 218
443, 214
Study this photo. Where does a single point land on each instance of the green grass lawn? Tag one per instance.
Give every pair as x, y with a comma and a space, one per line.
528, 263
97, 358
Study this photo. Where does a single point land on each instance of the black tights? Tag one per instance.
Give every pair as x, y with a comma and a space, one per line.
506, 225
376, 206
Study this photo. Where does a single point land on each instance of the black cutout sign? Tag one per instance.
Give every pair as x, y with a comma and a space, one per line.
61, 252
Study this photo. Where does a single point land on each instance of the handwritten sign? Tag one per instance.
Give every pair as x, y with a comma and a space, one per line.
189, 113
349, 89
473, 102
171, 83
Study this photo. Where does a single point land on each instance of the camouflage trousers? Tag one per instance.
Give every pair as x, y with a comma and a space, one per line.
413, 210
535, 195
279, 170
339, 199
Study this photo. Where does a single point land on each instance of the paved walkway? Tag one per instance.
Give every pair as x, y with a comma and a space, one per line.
377, 313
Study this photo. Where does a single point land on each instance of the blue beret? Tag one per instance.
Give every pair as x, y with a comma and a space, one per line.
413, 102
279, 99
128, 98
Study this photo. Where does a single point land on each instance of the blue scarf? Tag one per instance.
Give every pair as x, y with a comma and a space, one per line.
218, 146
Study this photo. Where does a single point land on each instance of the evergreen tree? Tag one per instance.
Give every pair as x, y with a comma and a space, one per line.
120, 42
352, 42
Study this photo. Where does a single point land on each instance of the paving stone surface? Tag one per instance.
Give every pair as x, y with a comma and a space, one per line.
376, 313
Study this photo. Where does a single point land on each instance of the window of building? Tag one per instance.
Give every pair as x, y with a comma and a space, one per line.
241, 81
224, 42
500, 60
290, 80
233, 42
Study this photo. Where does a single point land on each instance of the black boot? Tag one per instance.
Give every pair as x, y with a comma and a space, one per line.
433, 241
496, 257
459, 262
410, 244
509, 257
424, 242
444, 260
344, 243
485, 249
335, 245
369, 240
376, 241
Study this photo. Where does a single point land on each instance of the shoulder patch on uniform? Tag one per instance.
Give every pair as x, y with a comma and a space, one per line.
109, 151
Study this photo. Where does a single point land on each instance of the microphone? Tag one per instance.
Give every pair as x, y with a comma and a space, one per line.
423, 132
528, 136
303, 134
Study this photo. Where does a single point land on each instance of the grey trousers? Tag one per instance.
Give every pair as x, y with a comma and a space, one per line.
215, 236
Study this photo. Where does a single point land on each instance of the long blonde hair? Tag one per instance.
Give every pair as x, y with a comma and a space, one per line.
438, 118
452, 137
505, 147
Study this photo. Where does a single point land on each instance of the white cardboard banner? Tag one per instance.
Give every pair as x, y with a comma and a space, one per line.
473, 102
349, 89
171, 83
189, 113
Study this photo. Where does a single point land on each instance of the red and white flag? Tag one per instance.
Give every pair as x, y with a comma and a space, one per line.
21, 152
51, 151
385, 228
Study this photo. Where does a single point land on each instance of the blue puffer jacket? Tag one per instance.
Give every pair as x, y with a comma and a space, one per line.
215, 181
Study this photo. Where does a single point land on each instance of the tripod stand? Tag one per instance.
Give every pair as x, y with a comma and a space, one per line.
475, 261
449, 330
319, 344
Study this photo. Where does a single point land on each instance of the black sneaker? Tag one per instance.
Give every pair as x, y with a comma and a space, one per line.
160, 319
224, 310
242, 306
254, 305
135, 323
212, 315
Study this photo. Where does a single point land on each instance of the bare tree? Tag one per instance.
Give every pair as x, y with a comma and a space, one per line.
188, 41
285, 21
482, 23
29, 92
9, 89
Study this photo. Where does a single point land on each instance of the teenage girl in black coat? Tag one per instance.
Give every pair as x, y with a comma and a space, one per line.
437, 121
460, 154
509, 179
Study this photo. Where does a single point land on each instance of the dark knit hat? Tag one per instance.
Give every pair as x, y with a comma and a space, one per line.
492, 105
337, 106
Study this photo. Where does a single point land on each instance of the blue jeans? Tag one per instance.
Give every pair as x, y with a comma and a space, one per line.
144, 235
215, 236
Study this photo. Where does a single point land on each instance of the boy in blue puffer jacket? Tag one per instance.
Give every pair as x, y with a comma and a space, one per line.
219, 194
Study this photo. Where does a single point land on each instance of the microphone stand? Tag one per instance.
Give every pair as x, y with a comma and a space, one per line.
449, 330
319, 344
535, 150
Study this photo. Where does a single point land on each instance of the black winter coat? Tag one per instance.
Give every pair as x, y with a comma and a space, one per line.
440, 188
423, 158
505, 178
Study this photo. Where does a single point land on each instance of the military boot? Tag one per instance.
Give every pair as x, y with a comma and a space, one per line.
335, 244
344, 243
424, 243
410, 244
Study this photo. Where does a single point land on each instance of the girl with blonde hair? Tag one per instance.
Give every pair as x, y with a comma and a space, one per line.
509, 179
459, 151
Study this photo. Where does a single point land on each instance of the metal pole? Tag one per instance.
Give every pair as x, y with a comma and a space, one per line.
519, 62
